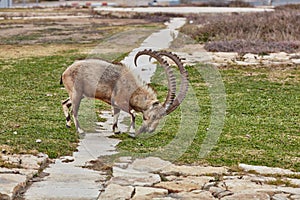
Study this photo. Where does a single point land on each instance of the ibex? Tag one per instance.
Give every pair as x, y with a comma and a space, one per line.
116, 85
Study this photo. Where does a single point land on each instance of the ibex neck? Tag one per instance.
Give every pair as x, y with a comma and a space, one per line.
142, 98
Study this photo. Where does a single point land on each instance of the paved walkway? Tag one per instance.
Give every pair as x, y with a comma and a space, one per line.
181, 10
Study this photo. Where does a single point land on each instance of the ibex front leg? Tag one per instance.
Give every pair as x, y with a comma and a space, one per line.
116, 114
132, 124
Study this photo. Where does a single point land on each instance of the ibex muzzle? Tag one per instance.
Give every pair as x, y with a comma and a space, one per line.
119, 87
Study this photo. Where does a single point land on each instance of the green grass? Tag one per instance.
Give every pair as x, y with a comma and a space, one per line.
261, 125
30, 106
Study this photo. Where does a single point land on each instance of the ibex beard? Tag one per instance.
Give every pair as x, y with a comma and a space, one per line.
118, 86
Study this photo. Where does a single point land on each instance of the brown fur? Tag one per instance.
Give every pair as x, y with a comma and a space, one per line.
113, 84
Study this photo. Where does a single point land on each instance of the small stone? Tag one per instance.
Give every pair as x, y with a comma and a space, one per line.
164, 198
178, 186
248, 196
193, 170
290, 190
295, 197
294, 181
38, 141
281, 196
215, 189
15, 132
150, 164
114, 191
142, 193
207, 186
67, 159
267, 170
133, 177
199, 195
121, 165
296, 61
125, 159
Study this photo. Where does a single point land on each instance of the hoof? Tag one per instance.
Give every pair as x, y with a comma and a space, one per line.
132, 135
117, 133
81, 135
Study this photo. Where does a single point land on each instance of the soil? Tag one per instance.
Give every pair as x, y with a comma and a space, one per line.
24, 33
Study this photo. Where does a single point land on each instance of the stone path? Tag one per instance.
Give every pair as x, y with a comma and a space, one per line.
68, 178
153, 178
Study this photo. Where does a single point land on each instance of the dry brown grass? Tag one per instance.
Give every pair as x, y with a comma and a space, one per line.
248, 33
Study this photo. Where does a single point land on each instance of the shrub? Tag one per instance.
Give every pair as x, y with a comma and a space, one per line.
266, 31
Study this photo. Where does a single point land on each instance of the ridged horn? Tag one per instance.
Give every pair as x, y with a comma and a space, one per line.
168, 70
184, 80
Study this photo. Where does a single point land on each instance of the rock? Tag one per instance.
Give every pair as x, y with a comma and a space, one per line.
150, 164
194, 195
289, 190
199, 180
26, 161
125, 159
133, 177
121, 165
296, 61
281, 196
67, 159
178, 186
248, 196
294, 181
245, 185
224, 57
277, 57
246, 63
259, 179
163, 198
295, 197
251, 58
10, 184
267, 170
218, 192
143, 193
207, 186
193, 170
114, 192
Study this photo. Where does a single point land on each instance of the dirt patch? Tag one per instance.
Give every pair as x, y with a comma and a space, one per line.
48, 32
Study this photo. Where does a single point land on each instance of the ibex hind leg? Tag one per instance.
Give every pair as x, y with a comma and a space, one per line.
66, 104
116, 118
76, 99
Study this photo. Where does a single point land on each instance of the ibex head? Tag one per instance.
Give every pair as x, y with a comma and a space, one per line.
156, 110
151, 117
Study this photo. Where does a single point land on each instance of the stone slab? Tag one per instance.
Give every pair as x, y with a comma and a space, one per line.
114, 192
193, 170
143, 193
267, 170
133, 177
150, 164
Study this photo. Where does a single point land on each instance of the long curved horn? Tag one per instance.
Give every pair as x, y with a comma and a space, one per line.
184, 80
170, 76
